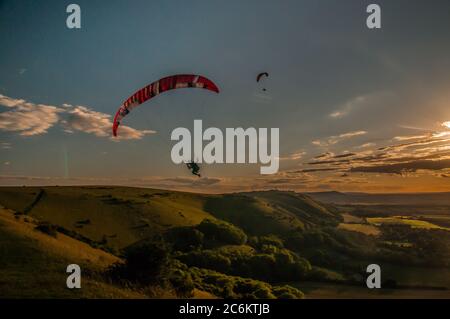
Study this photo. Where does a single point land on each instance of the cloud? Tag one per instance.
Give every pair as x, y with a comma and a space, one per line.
10, 102
337, 138
6, 163
349, 106
366, 145
400, 168
410, 137
29, 119
312, 170
324, 155
414, 128
344, 155
81, 118
292, 157
446, 124
424, 153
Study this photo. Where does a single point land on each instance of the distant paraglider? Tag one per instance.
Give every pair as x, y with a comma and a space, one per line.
165, 84
260, 76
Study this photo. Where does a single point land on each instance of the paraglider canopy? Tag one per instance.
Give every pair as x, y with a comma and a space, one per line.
162, 85
258, 78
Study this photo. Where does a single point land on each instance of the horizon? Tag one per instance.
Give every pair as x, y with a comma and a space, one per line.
193, 191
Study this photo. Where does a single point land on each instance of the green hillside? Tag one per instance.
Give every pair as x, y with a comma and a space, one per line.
120, 215
33, 264
242, 245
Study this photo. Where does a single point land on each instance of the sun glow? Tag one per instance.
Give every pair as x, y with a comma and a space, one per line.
446, 124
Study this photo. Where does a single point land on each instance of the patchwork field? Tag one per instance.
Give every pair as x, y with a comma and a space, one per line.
404, 220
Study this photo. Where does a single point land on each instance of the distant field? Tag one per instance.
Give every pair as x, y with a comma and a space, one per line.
315, 290
384, 210
414, 223
361, 228
440, 220
352, 219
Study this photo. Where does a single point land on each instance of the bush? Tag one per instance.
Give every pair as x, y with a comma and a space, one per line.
260, 266
48, 229
144, 264
182, 283
222, 232
185, 238
271, 240
252, 289
321, 274
287, 292
230, 286
207, 259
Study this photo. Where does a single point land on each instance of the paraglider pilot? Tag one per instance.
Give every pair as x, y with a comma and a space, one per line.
194, 168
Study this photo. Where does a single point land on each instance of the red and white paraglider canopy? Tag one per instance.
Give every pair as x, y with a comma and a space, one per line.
162, 85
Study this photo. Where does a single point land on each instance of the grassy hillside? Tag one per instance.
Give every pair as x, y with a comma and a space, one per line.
33, 264
123, 215
243, 245
262, 213
120, 215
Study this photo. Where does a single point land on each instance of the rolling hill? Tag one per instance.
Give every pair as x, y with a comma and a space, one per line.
33, 264
258, 239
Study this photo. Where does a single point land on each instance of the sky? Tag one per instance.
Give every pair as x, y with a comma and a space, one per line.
358, 109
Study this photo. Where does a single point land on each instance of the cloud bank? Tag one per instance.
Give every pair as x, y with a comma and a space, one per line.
28, 119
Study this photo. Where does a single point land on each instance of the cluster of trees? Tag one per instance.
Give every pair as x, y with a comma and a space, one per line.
430, 247
193, 256
269, 261
226, 286
209, 233
150, 264
280, 265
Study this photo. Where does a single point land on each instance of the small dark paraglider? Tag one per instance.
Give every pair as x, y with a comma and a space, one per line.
260, 76
194, 168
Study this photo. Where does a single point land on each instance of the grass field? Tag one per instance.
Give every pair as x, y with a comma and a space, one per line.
406, 220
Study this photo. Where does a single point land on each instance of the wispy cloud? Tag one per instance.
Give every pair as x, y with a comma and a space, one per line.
410, 137
366, 145
292, 157
415, 153
331, 140
348, 106
28, 119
